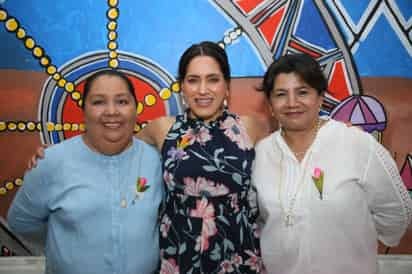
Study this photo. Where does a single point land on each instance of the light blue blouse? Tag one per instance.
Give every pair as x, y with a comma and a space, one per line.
76, 195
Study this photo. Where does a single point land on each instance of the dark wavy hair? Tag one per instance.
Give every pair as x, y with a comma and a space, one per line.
301, 64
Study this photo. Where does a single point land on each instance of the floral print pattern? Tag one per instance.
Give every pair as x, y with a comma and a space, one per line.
208, 220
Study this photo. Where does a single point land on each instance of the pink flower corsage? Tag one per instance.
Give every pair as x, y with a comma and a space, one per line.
141, 187
317, 177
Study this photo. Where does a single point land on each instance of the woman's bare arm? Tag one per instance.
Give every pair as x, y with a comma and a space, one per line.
257, 128
154, 133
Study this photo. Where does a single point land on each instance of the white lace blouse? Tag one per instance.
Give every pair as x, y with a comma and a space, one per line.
363, 199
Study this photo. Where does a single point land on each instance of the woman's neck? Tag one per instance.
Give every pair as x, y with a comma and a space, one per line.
299, 141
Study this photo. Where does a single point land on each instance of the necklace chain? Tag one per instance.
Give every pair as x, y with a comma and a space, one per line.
288, 213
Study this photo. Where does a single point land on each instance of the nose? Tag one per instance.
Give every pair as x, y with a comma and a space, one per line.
291, 99
111, 109
203, 87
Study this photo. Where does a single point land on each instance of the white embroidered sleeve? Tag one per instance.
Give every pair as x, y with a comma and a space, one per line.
388, 198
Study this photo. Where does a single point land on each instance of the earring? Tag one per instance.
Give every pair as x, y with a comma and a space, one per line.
225, 103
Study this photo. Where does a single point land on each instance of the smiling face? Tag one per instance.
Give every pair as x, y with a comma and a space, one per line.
109, 114
204, 88
295, 103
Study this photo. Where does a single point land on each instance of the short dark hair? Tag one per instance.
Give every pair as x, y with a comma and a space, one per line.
301, 64
107, 72
205, 48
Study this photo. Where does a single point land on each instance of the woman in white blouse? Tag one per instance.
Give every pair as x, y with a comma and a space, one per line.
326, 192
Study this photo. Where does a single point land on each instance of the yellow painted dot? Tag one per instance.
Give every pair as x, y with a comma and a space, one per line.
12, 126
58, 127
112, 45
44, 61
18, 182
69, 87
113, 63
21, 33
21, 126
38, 52
113, 13
165, 93
139, 108
3, 126
3, 190
9, 185
76, 95
150, 100
29, 43
57, 76
175, 87
51, 70
113, 54
82, 127
112, 25
3, 15
137, 128
113, 3
11, 24
39, 126
50, 126
75, 127
61, 83
66, 126
112, 35
31, 126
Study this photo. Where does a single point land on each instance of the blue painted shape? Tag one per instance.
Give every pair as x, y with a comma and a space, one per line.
392, 59
355, 8
405, 7
312, 28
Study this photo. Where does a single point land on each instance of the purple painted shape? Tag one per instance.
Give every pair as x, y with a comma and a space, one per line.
357, 115
372, 127
343, 111
376, 107
406, 172
367, 114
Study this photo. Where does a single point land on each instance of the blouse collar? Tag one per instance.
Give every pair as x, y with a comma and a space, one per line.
197, 122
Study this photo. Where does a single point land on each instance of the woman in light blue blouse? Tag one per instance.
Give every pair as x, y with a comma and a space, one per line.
94, 198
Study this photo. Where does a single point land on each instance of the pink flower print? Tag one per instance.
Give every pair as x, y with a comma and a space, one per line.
202, 186
203, 136
176, 153
236, 133
226, 266
254, 261
169, 179
165, 226
169, 267
237, 260
207, 213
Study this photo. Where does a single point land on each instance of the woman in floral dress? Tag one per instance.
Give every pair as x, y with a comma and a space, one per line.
208, 222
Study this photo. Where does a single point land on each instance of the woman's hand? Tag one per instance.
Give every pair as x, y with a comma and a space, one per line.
39, 154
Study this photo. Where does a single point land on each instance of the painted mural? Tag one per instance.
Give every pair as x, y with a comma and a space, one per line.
48, 48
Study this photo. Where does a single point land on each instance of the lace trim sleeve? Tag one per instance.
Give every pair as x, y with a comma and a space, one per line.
389, 165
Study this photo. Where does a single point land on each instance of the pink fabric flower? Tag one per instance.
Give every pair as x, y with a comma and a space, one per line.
236, 133
169, 267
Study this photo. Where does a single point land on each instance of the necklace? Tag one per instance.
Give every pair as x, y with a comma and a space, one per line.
123, 199
288, 212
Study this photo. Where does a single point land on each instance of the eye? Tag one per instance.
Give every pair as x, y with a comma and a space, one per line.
97, 102
123, 101
191, 80
303, 92
214, 80
278, 94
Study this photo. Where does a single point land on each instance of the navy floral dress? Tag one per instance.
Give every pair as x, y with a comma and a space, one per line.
208, 223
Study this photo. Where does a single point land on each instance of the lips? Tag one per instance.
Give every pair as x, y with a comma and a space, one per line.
112, 124
204, 102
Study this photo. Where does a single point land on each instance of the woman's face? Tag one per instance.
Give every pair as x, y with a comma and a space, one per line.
109, 112
204, 88
294, 103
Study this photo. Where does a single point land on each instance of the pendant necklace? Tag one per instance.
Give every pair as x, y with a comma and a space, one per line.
288, 212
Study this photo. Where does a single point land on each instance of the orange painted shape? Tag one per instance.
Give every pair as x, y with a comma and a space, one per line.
248, 5
270, 26
338, 85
